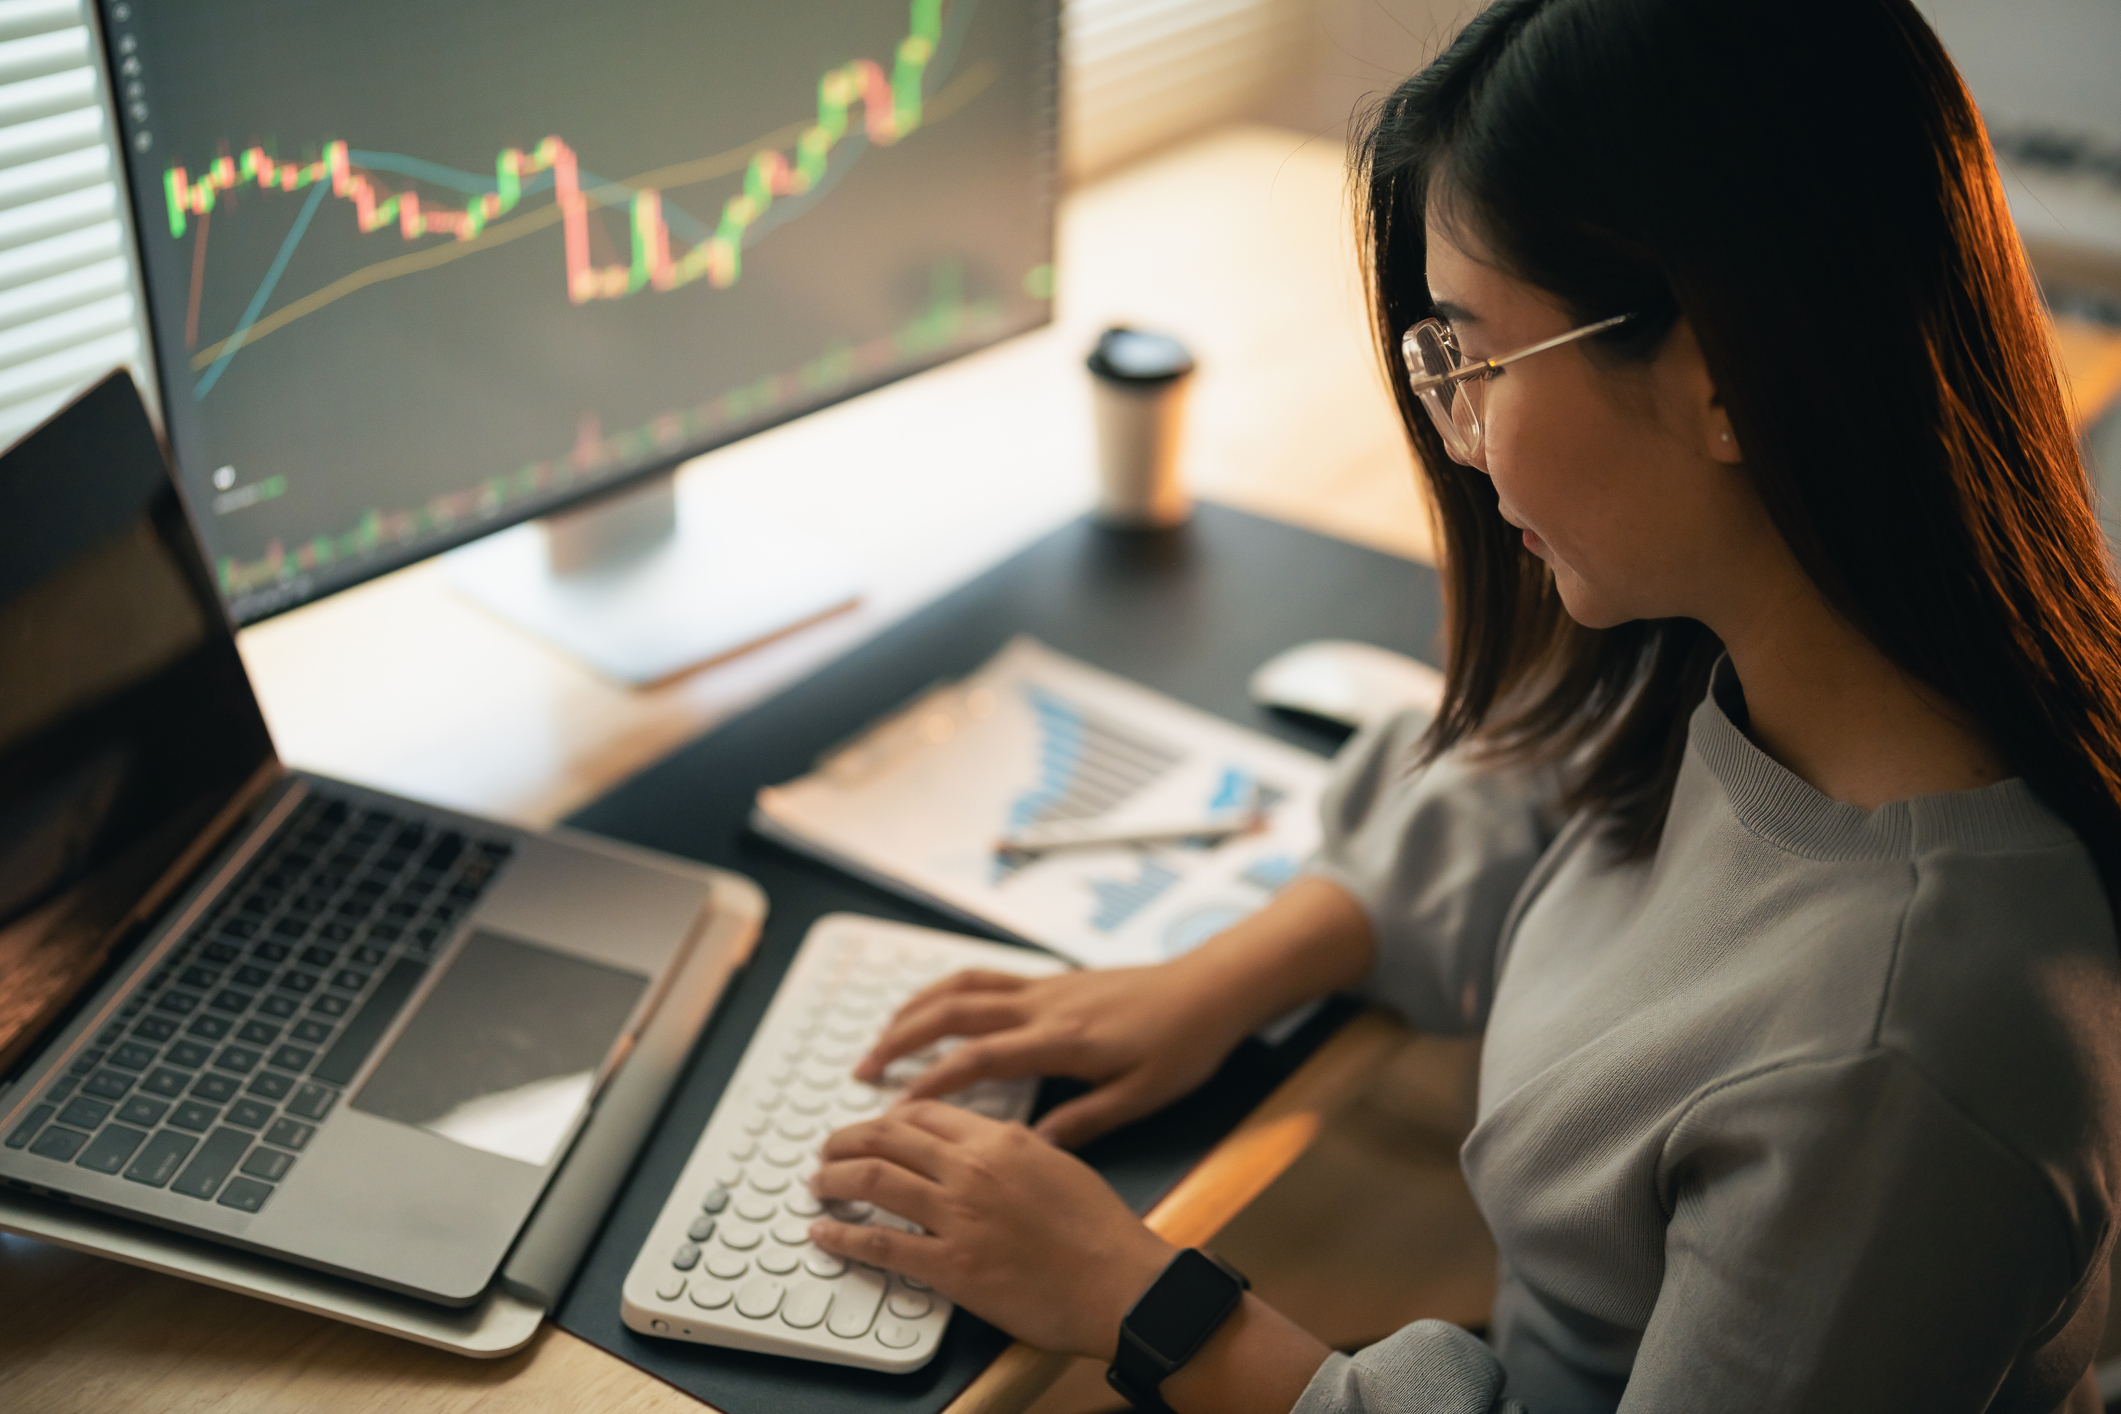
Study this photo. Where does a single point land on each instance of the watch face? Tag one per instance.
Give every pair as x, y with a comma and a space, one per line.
1184, 1306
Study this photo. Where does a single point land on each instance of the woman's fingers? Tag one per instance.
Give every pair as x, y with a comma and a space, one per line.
1009, 1055
891, 1137
916, 1255
881, 1182
919, 1023
1085, 1117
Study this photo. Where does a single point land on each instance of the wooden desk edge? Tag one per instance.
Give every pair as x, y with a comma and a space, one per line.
1235, 1171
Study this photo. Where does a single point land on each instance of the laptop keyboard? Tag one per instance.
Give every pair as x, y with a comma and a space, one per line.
223, 1063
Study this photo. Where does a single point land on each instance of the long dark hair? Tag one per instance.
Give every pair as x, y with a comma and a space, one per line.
1808, 183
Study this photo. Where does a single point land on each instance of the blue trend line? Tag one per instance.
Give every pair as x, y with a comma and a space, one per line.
257, 301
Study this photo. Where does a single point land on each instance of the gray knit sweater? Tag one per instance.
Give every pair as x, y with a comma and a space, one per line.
1815, 1109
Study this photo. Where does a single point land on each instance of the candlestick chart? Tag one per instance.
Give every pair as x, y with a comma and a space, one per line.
416, 272
892, 108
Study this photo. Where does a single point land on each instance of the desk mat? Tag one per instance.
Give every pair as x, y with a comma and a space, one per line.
1190, 612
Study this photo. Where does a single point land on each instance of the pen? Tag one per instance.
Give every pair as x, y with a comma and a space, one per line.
1063, 834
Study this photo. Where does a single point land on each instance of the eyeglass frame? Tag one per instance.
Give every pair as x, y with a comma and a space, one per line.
1419, 383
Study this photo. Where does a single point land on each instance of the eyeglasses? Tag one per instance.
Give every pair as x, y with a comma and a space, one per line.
1456, 392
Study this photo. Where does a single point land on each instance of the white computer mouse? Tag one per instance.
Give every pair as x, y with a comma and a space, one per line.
1344, 681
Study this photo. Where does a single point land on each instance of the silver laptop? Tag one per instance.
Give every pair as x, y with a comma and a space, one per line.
280, 1012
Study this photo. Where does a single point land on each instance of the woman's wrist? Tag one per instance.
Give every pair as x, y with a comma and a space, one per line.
1314, 938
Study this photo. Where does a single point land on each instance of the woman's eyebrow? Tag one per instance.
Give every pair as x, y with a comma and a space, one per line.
1454, 313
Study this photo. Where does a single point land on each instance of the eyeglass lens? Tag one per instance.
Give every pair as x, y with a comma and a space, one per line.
1455, 408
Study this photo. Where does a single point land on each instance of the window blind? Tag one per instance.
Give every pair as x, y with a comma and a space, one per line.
69, 308
1140, 73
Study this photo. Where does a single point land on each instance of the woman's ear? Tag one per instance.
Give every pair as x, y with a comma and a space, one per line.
1723, 443
1696, 409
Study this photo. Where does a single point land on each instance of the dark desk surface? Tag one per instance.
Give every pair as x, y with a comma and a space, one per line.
1190, 612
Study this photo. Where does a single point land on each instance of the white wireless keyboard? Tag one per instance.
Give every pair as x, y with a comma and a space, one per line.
729, 1261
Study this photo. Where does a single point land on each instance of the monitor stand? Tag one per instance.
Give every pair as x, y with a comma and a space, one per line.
642, 591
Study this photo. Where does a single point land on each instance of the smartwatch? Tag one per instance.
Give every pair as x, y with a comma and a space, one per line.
1172, 1320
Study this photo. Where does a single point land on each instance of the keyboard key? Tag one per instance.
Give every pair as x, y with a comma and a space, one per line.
107, 1084
142, 1111
240, 1059
350, 980
233, 1002
344, 1059
196, 1117
269, 951
329, 1005
177, 1003
112, 1148
312, 1101
909, 1305
85, 1113
85, 1062
268, 1164
311, 1031
133, 1056
368, 955
190, 1054
159, 1161
806, 1305
213, 1028
216, 1159
278, 1006
686, 1257
258, 1033
58, 1143
271, 1084
295, 1058
65, 1087
289, 1134
250, 1114
759, 1298
222, 952
896, 1335
251, 975
25, 1131
200, 977
219, 1089
246, 1194
155, 1028
298, 981
320, 956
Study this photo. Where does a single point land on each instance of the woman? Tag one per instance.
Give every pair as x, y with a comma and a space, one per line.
1770, 825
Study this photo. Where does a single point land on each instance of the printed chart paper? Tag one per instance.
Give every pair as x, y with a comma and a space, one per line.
920, 803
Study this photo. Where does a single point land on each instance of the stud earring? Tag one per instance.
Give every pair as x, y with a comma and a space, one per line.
1726, 436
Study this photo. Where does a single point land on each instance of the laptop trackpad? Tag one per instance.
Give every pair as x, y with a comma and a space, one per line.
504, 1051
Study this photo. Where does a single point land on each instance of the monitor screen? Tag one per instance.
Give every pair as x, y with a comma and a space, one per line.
417, 271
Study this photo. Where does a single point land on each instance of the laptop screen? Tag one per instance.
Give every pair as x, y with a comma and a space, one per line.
126, 720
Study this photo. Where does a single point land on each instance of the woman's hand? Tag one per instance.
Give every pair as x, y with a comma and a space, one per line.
1017, 1232
1141, 1036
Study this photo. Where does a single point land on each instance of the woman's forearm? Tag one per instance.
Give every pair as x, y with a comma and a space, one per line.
1312, 939
1258, 1362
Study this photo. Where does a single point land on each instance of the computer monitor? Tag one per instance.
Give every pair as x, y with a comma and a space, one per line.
416, 272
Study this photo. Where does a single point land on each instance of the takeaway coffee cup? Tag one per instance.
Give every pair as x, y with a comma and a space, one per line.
1138, 381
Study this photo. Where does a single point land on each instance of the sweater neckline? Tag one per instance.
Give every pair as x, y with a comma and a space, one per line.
1776, 804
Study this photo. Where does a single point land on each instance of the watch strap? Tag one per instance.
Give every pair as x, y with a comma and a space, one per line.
1139, 1366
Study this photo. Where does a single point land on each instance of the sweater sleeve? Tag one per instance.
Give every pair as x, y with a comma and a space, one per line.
1842, 1236
1430, 1367
1435, 855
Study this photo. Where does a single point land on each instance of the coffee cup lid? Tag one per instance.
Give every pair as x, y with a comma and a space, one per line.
1139, 356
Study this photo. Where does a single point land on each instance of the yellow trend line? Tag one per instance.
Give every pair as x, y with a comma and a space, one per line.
699, 169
